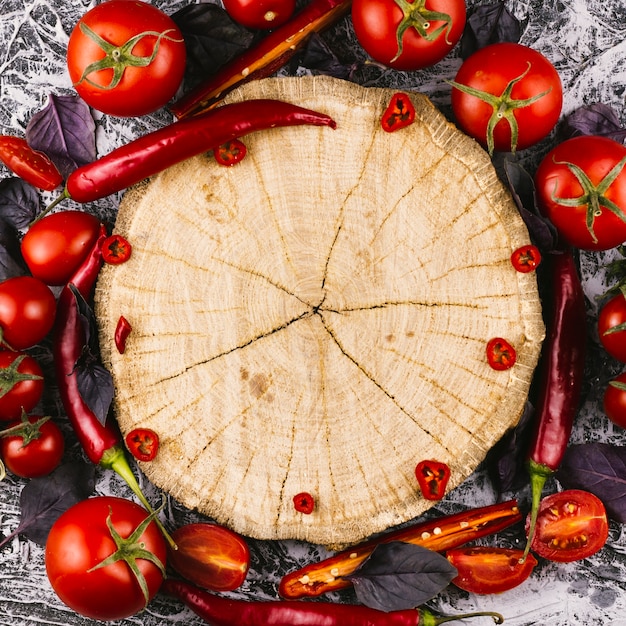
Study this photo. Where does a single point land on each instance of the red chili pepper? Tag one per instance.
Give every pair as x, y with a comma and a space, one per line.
30, 165
122, 332
501, 354
264, 58
221, 611
561, 376
399, 114
304, 503
116, 250
230, 153
143, 444
441, 534
102, 443
526, 259
432, 477
152, 153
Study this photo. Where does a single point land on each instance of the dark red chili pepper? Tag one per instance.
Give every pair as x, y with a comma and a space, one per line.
102, 443
221, 611
432, 477
304, 503
143, 444
230, 153
152, 153
501, 354
122, 332
399, 114
561, 375
30, 165
264, 58
116, 250
441, 534
526, 259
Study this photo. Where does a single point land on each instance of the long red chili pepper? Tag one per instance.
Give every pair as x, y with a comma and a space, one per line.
263, 59
221, 611
562, 368
440, 534
102, 443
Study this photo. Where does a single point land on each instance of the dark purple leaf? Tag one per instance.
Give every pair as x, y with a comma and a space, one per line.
599, 468
488, 24
11, 260
398, 576
594, 119
19, 202
44, 499
319, 58
65, 131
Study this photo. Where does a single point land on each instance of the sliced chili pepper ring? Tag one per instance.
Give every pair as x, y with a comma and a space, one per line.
399, 114
432, 477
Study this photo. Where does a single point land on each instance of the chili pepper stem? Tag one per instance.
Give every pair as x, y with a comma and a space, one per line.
115, 459
539, 474
430, 619
51, 206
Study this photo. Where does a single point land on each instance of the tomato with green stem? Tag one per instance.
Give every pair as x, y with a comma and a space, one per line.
408, 35
126, 58
507, 96
581, 189
612, 326
21, 383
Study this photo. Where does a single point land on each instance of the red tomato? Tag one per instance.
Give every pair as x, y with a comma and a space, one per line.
612, 327
21, 384
571, 525
210, 556
260, 13
581, 189
30, 165
507, 96
408, 36
27, 310
118, 64
80, 540
490, 570
55, 246
615, 400
34, 450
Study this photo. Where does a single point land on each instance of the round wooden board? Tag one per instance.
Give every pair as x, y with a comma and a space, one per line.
314, 319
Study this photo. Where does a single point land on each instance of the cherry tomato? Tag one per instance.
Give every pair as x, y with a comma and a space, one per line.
571, 525
55, 246
126, 58
615, 400
261, 14
21, 384
612, 327
210, 556
30, 165
27, 311
483, 569
143, 444
34, 449
507, 96
408, 35
581, 189
80, 540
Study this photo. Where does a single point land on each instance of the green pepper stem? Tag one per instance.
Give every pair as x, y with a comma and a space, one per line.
64, 196
539, 474
429, 619
115, 459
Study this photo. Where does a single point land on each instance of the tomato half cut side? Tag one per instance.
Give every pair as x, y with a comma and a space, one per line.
484, 570
571, 525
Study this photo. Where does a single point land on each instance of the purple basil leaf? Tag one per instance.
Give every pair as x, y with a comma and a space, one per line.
44, 499
65, 131
398, 576
11, 260
599, 468
594, 119
487, 24
19, 202
318, 57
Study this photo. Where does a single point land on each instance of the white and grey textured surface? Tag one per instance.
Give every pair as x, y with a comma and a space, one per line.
586, 40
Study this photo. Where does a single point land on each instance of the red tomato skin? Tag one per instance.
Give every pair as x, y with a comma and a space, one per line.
553, 179
80, 539
55, 246
142, 90
376, 23
25, 394
39, 457
612, 315
27, 311
260, 14
490, 69
485, 570
614, 402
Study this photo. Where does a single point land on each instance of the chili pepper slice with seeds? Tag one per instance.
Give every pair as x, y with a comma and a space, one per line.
116, 250
400, 113
432, 477
230, 153
501, 354
143, 444
122, 332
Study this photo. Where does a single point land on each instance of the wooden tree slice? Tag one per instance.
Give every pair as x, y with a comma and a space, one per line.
315, 318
